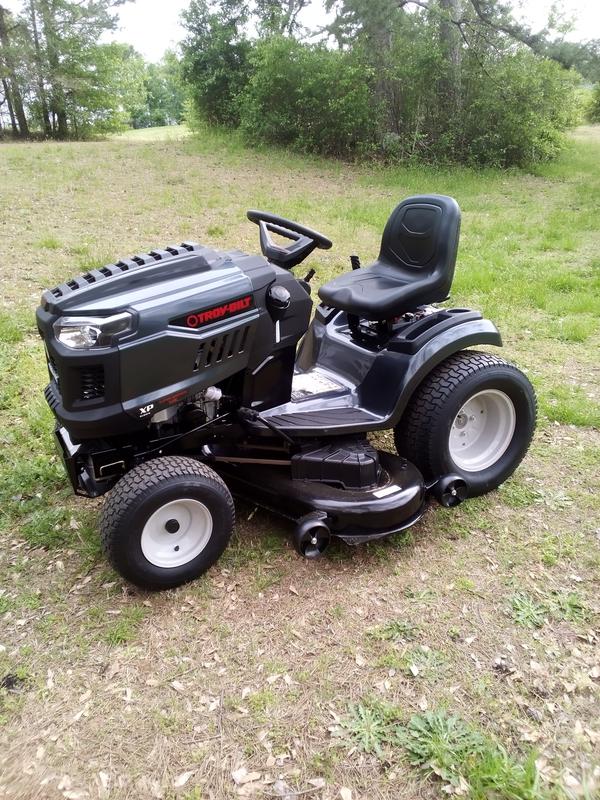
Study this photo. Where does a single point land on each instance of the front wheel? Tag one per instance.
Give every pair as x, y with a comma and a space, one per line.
474, 415
166, 522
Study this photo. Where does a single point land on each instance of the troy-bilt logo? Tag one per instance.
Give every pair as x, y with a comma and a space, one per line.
199, 318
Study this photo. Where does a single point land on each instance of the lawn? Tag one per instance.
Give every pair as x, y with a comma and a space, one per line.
462, 656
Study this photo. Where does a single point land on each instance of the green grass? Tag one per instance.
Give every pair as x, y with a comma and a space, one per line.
473, 764
125, 628
446, 748
159, 134
561, 606
527, 611
396, 630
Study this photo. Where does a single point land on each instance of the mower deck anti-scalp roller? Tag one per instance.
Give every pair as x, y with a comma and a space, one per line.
183, 375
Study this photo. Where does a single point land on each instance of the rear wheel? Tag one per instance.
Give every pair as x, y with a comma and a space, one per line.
166, 522
474, 415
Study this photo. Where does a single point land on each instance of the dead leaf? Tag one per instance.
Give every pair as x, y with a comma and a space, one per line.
345, 793
178, 686
238, 775
293, 590
112, 670
360, 660
241, 776
182, 779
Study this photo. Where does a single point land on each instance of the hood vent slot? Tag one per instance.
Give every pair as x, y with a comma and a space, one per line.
108, 271
221, 348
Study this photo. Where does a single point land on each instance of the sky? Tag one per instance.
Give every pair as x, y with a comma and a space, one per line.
152, 26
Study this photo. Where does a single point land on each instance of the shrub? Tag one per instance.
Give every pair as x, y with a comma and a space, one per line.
215, 63
309, 97
593, 110
518, 115
394, 97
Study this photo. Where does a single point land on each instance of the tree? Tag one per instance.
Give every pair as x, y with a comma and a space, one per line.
10, 81
216, 57
70, 31
104, 88
39, 71
279, 18
163, 95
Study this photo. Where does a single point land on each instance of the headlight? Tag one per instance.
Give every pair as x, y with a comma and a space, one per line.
81, 333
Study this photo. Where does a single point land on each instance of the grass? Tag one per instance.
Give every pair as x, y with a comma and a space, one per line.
445, 748
396, 630
467, 760
494, 605
527, 611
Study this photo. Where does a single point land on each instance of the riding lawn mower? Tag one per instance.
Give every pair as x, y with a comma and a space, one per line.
184, 375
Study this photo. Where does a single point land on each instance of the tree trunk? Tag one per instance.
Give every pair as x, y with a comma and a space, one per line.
11, 78
58, 103
39, 74
450, 85
11, 113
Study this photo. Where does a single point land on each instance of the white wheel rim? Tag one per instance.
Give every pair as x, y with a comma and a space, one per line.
176, 533
482, 430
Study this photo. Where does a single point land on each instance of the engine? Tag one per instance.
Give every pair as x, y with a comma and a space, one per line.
130, 344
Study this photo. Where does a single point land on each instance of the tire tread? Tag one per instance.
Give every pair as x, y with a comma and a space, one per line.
141, 480
412, 434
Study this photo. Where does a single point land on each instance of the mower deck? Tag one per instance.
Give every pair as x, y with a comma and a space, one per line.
355, 515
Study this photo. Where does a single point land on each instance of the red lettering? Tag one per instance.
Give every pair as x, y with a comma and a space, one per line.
201, 317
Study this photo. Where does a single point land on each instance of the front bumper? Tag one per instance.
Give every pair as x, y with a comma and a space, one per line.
78, 466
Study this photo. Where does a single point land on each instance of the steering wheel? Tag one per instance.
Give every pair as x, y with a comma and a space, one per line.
304, 240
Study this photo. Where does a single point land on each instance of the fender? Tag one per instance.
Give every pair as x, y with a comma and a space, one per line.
442, 345
410, 356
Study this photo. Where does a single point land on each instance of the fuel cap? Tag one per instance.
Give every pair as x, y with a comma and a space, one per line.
278, 300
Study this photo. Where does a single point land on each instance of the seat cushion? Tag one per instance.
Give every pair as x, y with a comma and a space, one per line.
378, 292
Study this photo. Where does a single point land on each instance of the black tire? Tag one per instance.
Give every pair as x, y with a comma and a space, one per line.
423, 434
144, 490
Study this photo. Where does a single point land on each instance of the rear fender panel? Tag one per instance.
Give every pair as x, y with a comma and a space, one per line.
385, 377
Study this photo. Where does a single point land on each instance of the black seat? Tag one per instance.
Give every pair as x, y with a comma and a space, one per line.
415, 264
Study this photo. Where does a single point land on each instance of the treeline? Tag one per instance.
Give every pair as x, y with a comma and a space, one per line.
433, 80
58, 81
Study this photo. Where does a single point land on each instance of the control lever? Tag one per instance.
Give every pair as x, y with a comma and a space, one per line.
355, 262
251, 415
309, 276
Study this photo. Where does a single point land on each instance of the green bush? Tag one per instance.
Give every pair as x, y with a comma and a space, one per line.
215, 63
518, 115
593, 110
309, 97
401, 96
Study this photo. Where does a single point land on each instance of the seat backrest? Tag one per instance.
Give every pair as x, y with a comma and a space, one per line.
421, 238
